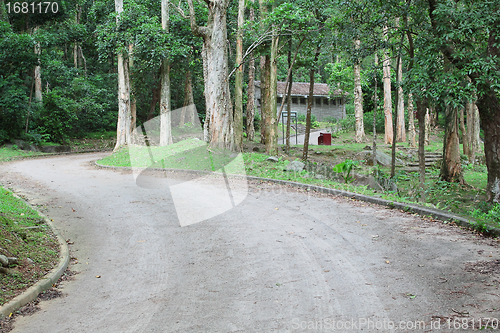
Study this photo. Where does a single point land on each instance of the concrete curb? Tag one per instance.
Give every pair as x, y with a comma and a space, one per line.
45, 282
411, 208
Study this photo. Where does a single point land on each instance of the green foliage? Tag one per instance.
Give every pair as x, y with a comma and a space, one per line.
345, 168
57, 117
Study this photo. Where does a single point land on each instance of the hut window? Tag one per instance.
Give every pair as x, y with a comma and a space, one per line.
302, 100
294, 100
318, 101
279, 100
333, 101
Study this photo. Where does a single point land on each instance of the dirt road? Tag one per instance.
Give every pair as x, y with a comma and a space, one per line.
281, 261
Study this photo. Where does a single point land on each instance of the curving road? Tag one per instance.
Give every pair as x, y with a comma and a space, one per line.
282, 261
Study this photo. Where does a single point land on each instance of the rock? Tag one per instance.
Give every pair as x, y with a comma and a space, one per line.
394, 187
295, 166
318, 152
55, 149
30, 261
305, 176
4, 261
383, 159
367, 148
272, 159
318, 176
256, 149
12, 260
374, 185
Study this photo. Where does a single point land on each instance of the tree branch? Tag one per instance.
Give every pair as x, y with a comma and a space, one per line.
196, 29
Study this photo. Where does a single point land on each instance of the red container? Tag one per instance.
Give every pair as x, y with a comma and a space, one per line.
325, 139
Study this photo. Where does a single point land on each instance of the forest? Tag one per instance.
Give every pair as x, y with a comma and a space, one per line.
70, 68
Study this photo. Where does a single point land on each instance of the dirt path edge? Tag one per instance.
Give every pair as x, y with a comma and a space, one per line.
45, 282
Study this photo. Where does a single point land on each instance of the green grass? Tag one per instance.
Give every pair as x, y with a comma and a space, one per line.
24, 234
8, 154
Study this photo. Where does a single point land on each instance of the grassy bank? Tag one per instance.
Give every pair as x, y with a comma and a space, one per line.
25, 236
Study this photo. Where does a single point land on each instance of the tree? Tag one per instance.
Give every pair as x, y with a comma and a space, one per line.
251, 87
238, 89
219, 113
477, 56
387, 96
358, 99
123, 127
165, 105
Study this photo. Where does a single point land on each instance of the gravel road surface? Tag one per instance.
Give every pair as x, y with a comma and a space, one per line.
284, 260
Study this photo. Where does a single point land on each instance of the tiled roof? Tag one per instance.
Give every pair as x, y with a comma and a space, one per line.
302, 89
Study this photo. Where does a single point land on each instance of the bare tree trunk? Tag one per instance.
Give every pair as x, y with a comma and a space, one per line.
400, 130
289, 98
472, 131
309, 106
421, 112
188, 100
238, 89
165, 106
427, 127
265, 68
358, 100
133, 103
375, 100
465, 142
411, 122
217, 94
123, 124
451, 170
251, 88
387, 96
271, 122
38, 75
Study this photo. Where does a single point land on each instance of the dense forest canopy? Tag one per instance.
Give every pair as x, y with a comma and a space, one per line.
61, 68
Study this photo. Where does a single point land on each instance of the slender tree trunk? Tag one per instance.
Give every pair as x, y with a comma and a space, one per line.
451, 170
133, 103
188, 100
465, 142
38, 75
411, 122
238, 89
358, 100
250, 128
289, 98
375, 109
271, 121
387, 97
421, 112
265, 68
309, 106
400, 130
123, 125
472, 131
165, 106
427, 127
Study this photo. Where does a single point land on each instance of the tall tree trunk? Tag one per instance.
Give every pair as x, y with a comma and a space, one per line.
238, 89
289, 99
38, 74
217, 94
411, 122
250, 129
309, 105
155, 97
400, 129
271, 121
265, 68
465, 142
358, 100
488, 105
387, 96
188, 100
421, 112
165, 106
451, 170
375, 109
427, 127
133, 103
472, 131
